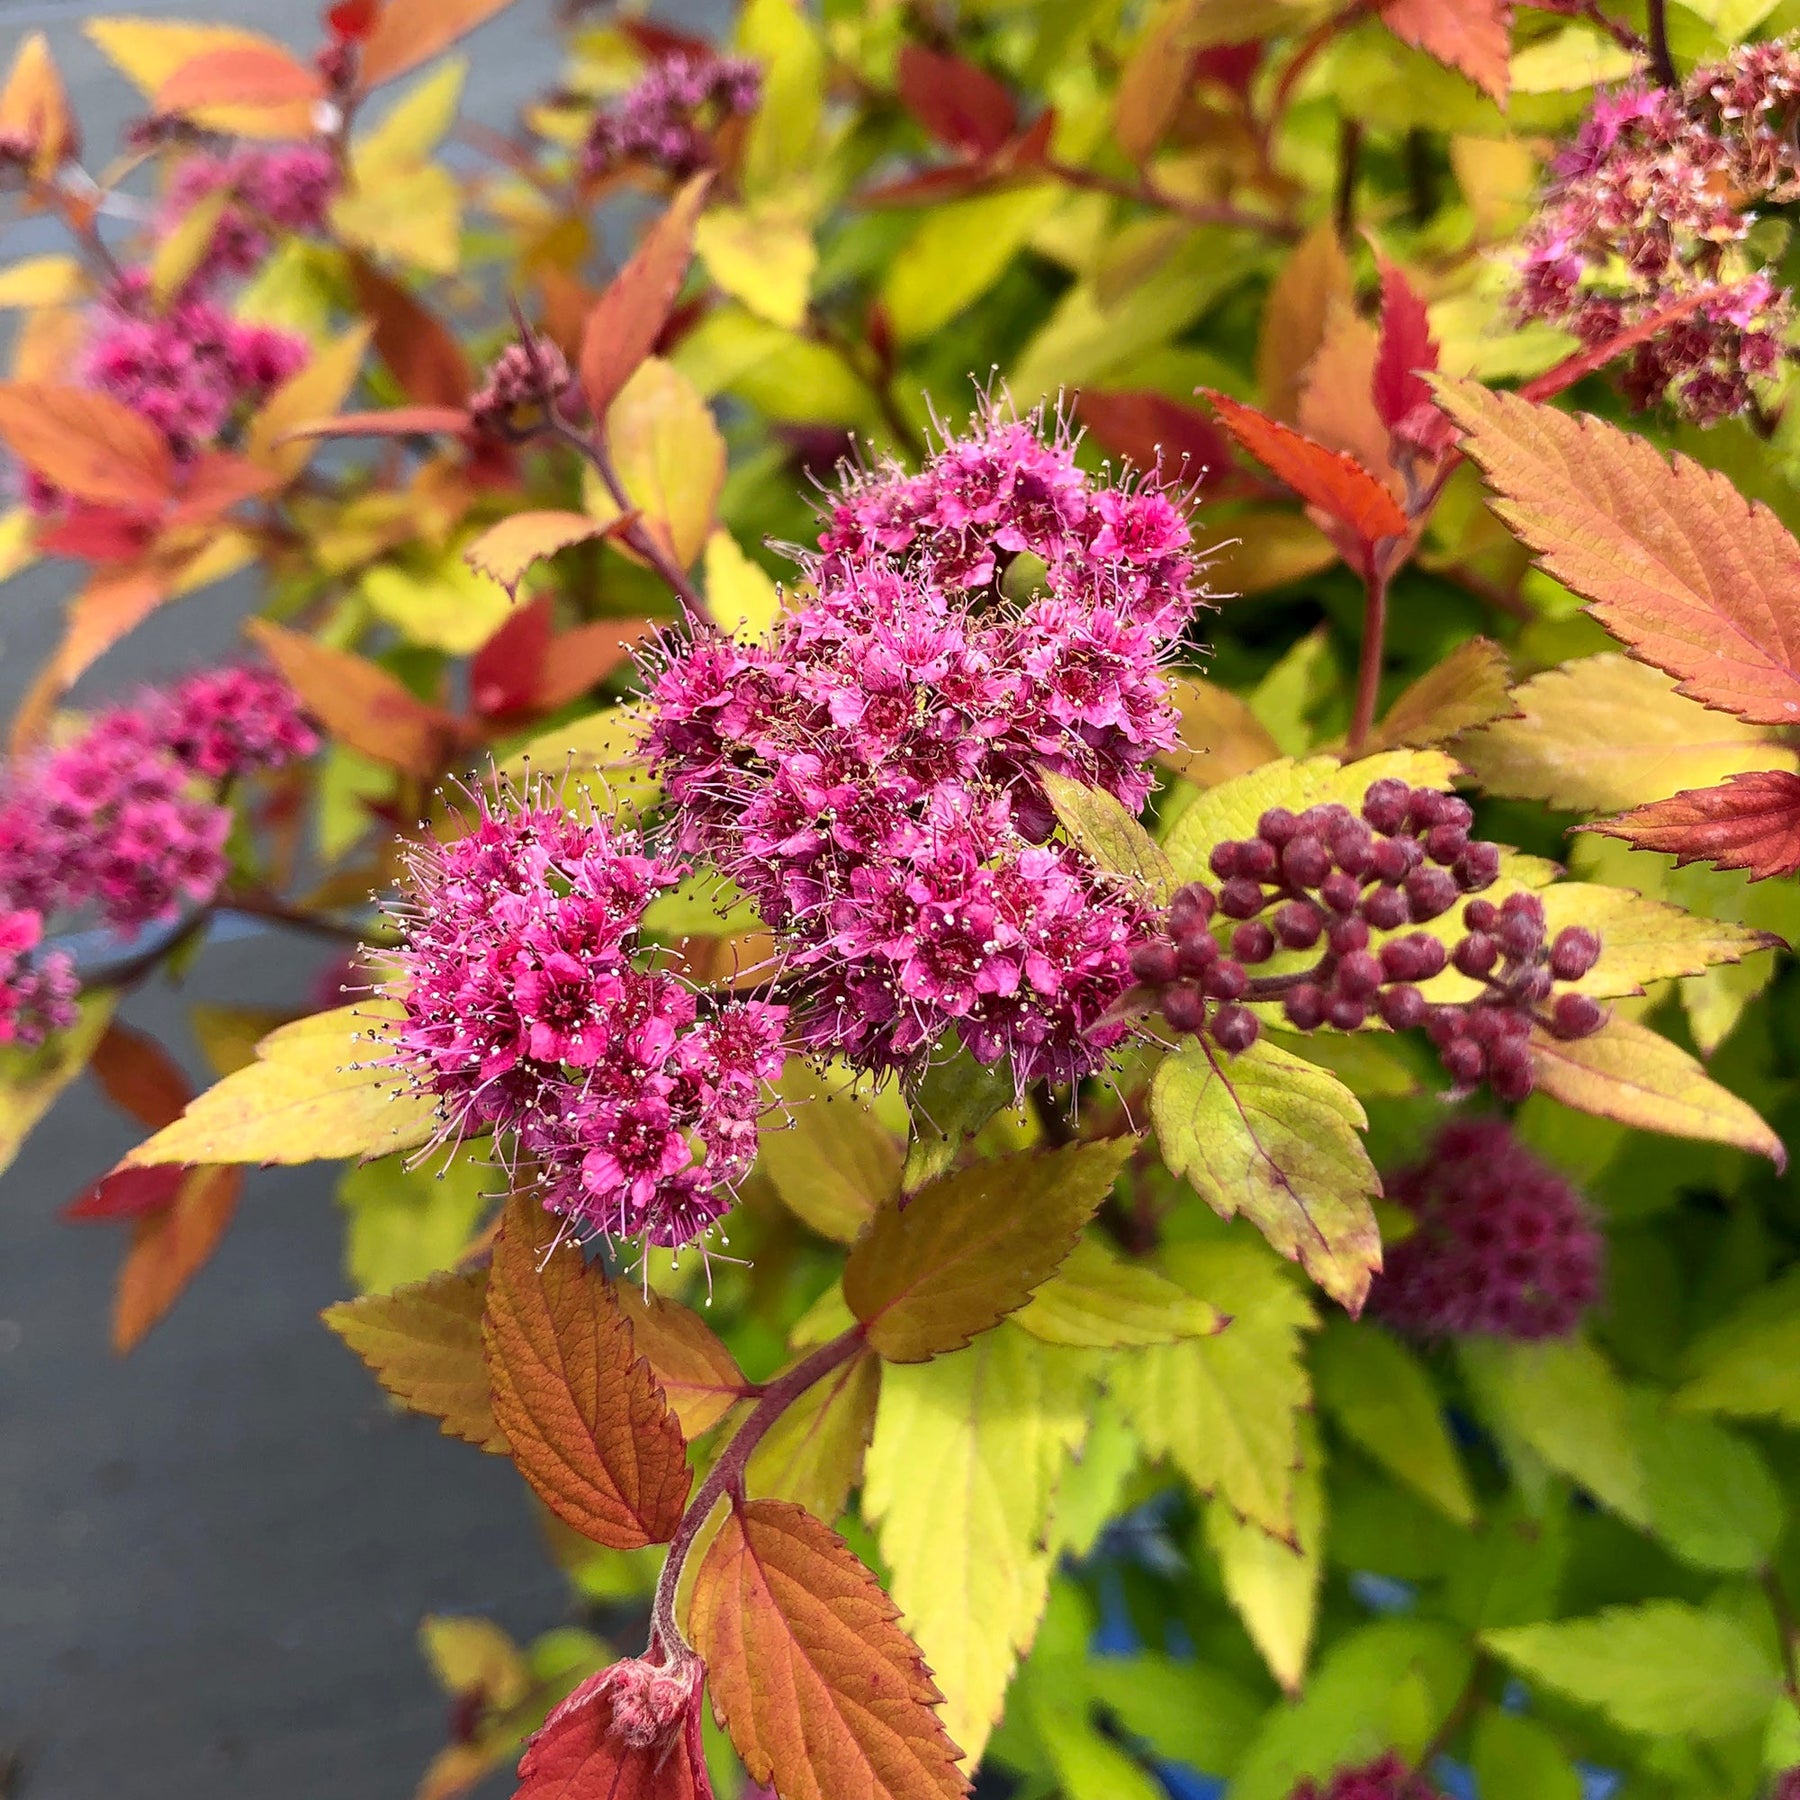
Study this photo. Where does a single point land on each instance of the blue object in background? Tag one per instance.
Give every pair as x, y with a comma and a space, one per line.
1383, 1594
1182, 1783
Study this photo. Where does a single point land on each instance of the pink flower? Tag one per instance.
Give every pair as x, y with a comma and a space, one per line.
664, 119
1386, 1778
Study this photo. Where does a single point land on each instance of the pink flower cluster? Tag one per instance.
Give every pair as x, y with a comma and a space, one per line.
115, 821
664, 119
527, 1016
1649, 209
870, 774
1502, 1245
1386, 1778
288, 188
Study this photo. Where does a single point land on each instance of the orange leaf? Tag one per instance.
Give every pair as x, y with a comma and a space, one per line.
588, 654
1750, 821
35, 105
1699, 582
216, 483
114, 602
822, 1692
411, 339
1315, 276
410, 32
579, 1756
140, 1077
700, 1378
239, 75
1333, 482
628, 318
360, 704
1472, 36
394, 421
86, 443
587, 1423
169, 1250
1152, 431
1337, 395
506, 550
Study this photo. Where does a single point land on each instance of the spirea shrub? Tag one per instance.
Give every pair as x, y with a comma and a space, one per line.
928, 682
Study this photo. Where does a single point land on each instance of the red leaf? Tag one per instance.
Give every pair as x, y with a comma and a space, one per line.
352, 20
128, 1194
1328, 479
628, 318
170, 1248
238, 75
87, 444
140, 1077
215, 484
396, 421
659, 41
959, 104
588, 654
578, 1755
505, 672
823, 1693
1151, 430
98, 534
1473, 36
1749, 821
1407, 353
413, 341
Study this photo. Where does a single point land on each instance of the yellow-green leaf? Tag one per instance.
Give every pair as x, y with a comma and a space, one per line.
507, 549
315, 392
1469, 687
938, 1269
813, 1454
1642, 940
413, 215
1097, 1300
740, 595
1100, 827
1748, 1365
148, 51
414, 126
320, 1089
761, 256
965, 1460
31, 1080
1225, 1410
835, 1164
1221, 738
42, 281
598, 757
955, 1097
441, 603
1628, 1072
1607, 732
958, 252
1276, 1138
783, 142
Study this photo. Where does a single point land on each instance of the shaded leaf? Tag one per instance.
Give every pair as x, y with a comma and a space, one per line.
87, 443
1663, 1667
1157, 434
1337, 395
1097, 1300
936, 1270
139, 1076
835, 1164
1473, 37
1628, 1072
1606, 732
629, 316
1315, 276
1110, 837
507, 549
813, 1454
1700, 582
959, 104
1274, 1137
420, 350
169, 1248
318, 1090
955, 1097
810, 1673
31, 1080
581, 1410
968, 1451
423, 1344
700, 1378
1749, 821
1748, 1365
1469, 687
1221, 737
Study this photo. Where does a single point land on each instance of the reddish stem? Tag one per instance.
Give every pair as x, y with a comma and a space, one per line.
1374, 643
1146, 193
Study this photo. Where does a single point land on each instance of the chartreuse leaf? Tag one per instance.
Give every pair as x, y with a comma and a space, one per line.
1712, 1497
966, 1456
740, 596
1087, 1764
1380, 1396
763, 256
1273, 1584
1092, 1488
1099, 1301
782, 148
958, 252
699, 1377
509, 547
813, 1454
1468, 688
1517, 1758
1100, 827
809, 1669
1184, 1710
1564, 1402
30, 1080
582, 1411
319, 1089
1225, 1409
423, 1344
407, 1223
1231, 809
598, 755
1626, 1071
955, 1098
933, 1272
1748, 1365
835, 1164
1221, 738
1274, 1137
1664, 1668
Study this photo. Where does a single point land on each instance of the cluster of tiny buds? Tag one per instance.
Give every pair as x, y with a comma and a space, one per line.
1327, 880
525, 374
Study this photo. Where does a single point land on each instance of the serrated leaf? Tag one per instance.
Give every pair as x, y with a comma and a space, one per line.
1093, 1487
1626, 1071
583, 1415
813, 1454
966, 1456
835, 1164
1474, 37
1110, 837
1099, 1301
810, 1674
1225, 1409
88, 444
423, 1344
1663, 1668
1273, 1585
1276, 1138
1749, 821
1564, 1401
1232, 809
669, 457
318, 1090
1469, 687
582, 1750
1607, 732
1713, 1498
699, 1377
1699, 581
1380, 1397
933, 1272
507, 549
954, 1099
1748, 1365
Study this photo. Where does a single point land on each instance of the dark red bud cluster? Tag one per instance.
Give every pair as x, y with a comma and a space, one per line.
1329, 880
535, 374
